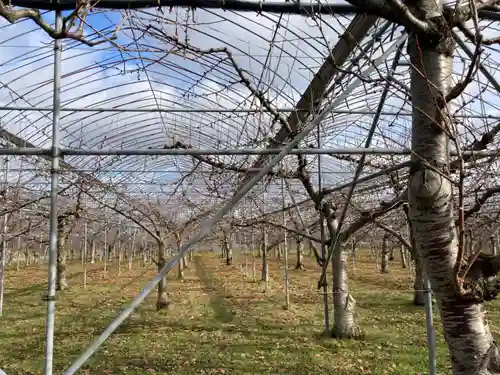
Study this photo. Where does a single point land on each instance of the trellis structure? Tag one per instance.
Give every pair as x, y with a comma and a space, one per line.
319, 108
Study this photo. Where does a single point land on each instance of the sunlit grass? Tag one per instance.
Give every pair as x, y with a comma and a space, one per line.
219, 322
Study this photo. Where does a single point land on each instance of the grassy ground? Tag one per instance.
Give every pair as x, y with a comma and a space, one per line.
220, 322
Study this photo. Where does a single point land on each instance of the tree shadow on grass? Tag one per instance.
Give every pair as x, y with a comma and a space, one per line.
40, 287
220, 305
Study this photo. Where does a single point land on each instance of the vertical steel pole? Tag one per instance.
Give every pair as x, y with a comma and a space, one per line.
84, 250
105, 250
4, 237
253, 245
285, 247
51, 289
431, 334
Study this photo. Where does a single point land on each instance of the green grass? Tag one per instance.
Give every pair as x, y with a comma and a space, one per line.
219, 322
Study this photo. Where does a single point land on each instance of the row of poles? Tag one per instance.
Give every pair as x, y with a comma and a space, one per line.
275, 157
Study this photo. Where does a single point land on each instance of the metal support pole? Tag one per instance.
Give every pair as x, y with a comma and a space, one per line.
55, 151
105, 249
253, 246
4, 237
431, 333
207, 225
285, 247
85, 234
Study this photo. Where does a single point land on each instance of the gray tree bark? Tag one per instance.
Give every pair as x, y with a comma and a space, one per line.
265, 265
472, 348
92, 251
228, 249
162, 299
344, 304
63, 231
299, 246
180, 264
402, 255
384, 264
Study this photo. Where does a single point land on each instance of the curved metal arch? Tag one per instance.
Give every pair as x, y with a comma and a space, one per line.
80, 98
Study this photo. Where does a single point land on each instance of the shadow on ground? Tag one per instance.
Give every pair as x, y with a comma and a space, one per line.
220, 305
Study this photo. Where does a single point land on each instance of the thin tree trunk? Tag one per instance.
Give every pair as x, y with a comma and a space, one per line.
391, 253
130, 256
62, 235
105, 257
353, 254
384, 264
299, 245
472, 348
180, 266
402, 254
120, 255
144, 255
162, 300
228, 248
469, 244
265, 265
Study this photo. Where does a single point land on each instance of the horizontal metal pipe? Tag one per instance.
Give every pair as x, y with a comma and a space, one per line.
292, 7
33, 151
226, 110
144, 171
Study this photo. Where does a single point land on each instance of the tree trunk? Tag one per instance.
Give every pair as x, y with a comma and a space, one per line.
353, 254
469, 243
402, 254
120, 255
391, 253
228, 251
62, 254
384, 264
130, 256
343, 303
180, 267
162, 300
299, 264
472, 348
265, 265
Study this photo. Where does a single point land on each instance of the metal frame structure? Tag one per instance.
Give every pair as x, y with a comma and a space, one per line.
269, 157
